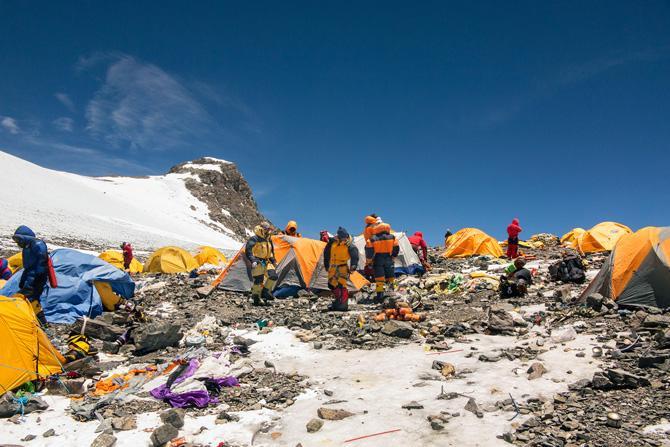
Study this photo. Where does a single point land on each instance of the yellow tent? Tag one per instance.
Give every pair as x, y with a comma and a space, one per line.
471, 242
170, 260
15, 262
115, 257
27, 353
210, 255
570, 239
602, 237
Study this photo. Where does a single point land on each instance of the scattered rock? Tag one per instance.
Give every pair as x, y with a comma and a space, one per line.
163, 434
154, 336
330, 414
124, 423
104, 440
174, 417
314, 425
472, 407
413, 405
28, 438
49, 433
400, 329
536, 371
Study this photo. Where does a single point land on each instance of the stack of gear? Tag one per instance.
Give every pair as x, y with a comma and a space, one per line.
569, 269
401, 312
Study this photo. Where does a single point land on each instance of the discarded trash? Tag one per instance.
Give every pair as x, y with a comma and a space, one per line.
563, 334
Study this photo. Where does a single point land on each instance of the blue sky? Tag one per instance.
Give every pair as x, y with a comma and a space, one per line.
434, 115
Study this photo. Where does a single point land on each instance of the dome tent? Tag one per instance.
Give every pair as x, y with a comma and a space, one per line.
472, 242
115, 257
170, 260
637, 271
80, 276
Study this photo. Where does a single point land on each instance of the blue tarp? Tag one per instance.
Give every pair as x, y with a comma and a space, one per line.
76, 295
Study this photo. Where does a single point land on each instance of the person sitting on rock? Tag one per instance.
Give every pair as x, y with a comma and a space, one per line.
380, 252
515, 281
340, 259
261, 255
5, 271
292, 229
35, 268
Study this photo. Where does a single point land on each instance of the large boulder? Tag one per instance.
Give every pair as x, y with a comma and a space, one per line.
154, 336
395, 328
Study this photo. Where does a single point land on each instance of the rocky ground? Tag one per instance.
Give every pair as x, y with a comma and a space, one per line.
619, 394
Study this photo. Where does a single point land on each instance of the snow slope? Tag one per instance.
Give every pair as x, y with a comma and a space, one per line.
149, 212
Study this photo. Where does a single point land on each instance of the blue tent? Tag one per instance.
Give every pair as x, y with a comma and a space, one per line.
76, 296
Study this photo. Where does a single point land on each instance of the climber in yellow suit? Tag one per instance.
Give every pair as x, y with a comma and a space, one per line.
340, 259
261, 254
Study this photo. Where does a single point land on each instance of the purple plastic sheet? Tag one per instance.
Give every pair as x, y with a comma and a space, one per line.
198, 398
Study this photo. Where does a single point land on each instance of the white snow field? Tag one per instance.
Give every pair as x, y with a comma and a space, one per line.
373, 385
149, 212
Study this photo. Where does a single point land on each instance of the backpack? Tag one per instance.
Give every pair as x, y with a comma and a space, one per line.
570, 269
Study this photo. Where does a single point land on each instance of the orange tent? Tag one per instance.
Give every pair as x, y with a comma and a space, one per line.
472, 242
637, 271
26, 354
601, 237
299, 263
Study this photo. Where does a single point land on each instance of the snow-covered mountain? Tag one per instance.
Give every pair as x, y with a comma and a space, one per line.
206, 201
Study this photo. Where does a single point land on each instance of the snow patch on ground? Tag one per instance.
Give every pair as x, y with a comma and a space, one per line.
373, 384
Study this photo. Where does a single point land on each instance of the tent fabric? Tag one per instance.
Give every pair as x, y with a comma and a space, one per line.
115, 257
472, 242
637, 271
299, 266
406, 263
76, 295
601, 237
570, 239
26, 354
170, 260
15, 262
210, 255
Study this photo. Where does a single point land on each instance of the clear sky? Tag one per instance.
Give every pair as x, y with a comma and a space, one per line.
434, 115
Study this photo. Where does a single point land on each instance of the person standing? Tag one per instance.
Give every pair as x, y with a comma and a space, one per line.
35, 268
261, 254
380, 252
127, 255
340, 259
513, 231
291, 229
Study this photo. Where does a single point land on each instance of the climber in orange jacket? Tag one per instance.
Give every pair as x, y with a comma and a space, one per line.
292, 229
380, 252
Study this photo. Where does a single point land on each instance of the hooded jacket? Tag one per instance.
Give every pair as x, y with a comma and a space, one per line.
5, 272
259, 246
417, 240
34, 257
291, 229
514, 229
